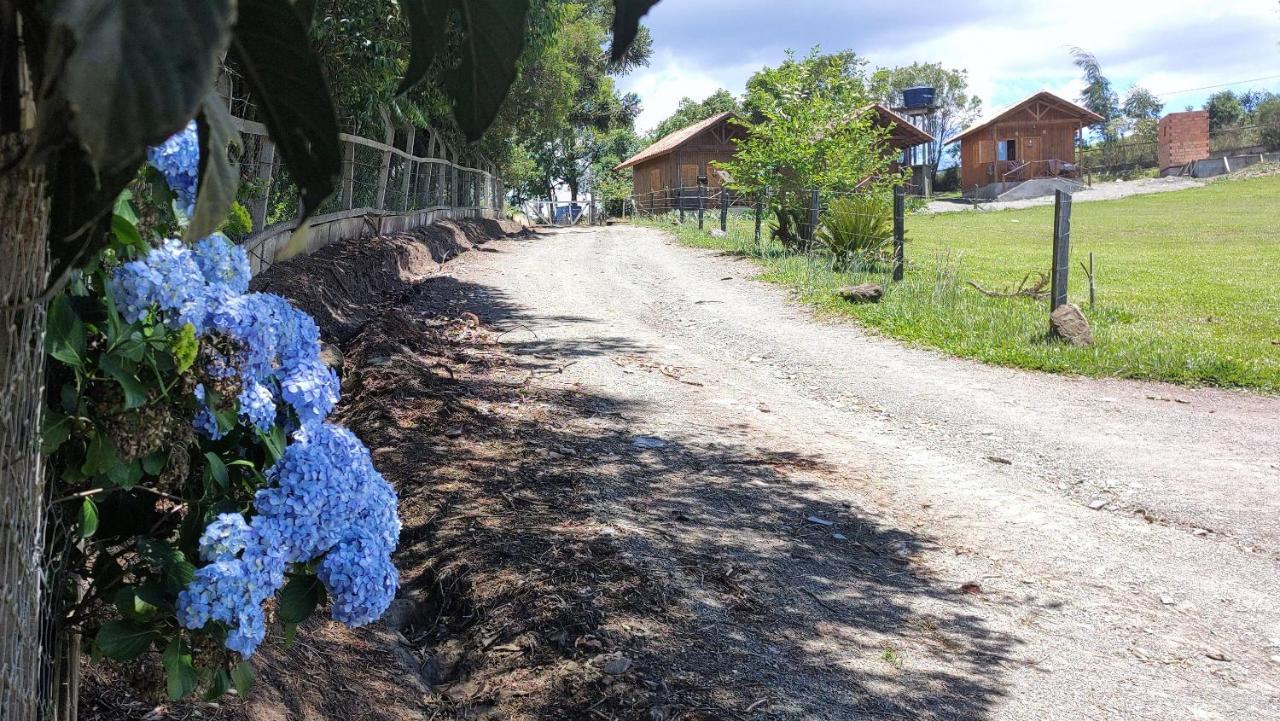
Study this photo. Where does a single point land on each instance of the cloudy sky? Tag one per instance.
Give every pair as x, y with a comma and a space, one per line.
1011, 49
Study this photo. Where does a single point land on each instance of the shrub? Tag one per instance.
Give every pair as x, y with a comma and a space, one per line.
856, 227
196, 476
238, 224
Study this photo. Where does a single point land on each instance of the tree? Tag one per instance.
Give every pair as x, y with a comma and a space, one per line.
957, 109
809, 131
690, 111
1141, 104
574, 82
1268, 114
1225, 110
1098, 94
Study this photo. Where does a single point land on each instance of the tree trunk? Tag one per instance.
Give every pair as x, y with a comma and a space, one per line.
24, 224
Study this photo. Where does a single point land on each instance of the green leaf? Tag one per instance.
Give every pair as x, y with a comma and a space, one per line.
123, 640
137, 604
219, 684
55, 429
124, 208
65, 336
271, 47
135, 71
243, 677
626, 23
135, 394
87, 523
125, 475
177, 569
100, 456
217, 469
219, 177
126, 232
299, 598
154, 464
185, 347
179, 671
477, 80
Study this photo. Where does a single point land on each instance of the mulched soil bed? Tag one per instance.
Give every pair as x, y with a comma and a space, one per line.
512, 606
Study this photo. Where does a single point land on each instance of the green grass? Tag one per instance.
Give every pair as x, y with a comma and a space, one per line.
1188, 285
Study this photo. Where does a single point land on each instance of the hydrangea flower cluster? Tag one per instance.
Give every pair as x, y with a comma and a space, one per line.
178, 160
324, 501
206, 287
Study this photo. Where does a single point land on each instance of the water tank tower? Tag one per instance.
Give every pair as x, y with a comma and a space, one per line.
918, 100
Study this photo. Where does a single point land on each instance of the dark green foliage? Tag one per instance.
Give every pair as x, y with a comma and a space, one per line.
271, 48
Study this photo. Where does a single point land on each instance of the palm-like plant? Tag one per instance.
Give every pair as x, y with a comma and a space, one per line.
856, 227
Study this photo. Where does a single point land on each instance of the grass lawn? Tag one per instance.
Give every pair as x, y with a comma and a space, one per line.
1188, 285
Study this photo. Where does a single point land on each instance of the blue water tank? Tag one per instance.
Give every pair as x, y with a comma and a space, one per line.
917, 97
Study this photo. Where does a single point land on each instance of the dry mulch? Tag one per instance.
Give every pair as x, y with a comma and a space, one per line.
512, 604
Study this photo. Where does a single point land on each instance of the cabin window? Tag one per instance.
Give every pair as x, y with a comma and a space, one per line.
1007, 150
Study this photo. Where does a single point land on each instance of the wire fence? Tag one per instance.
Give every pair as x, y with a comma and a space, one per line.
411, 177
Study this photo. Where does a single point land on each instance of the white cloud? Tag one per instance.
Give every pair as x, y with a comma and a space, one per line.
1010, 50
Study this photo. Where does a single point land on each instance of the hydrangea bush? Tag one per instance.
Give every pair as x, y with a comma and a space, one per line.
188, 426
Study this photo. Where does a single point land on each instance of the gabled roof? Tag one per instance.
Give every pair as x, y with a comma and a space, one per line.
1086, 116
904, 134
670, 142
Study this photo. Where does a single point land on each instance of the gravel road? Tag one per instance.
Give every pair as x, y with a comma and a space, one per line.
1075, 548
1113, 190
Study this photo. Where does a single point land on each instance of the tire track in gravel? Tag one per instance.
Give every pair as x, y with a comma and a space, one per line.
1003, 596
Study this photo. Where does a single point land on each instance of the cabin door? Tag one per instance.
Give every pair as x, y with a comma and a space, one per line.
689, 177
1032, 152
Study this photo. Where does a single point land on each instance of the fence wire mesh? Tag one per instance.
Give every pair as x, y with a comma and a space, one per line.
25, 692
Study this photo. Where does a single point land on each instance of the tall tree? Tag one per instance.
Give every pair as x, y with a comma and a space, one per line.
690, 111
1141, 104
1225, 109
957, 109
1098, 95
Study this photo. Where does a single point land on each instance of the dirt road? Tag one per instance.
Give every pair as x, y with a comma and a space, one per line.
863, 530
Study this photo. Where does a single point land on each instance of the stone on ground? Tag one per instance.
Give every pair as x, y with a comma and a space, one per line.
1069, 324
865, 293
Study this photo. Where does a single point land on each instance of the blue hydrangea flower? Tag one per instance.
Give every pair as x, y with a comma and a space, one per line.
311, 388
360, 579
169, 279
258, 405
324, 499
225, 537
223, 263
204, 421
178, 160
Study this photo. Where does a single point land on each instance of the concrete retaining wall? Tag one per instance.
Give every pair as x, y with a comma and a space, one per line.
1221, 166
265, 245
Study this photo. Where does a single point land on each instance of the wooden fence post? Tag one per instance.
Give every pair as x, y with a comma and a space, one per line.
724, 209
348, 176
1061, 249
384, 169
702, 202
899, 231
814, 201
680, 203
759, 214
409, 167
266, 162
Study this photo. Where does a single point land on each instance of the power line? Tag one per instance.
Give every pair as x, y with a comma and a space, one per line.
1219, 85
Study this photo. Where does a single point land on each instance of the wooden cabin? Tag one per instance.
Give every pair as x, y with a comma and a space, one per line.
665, 174
671, 167
1035, 138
